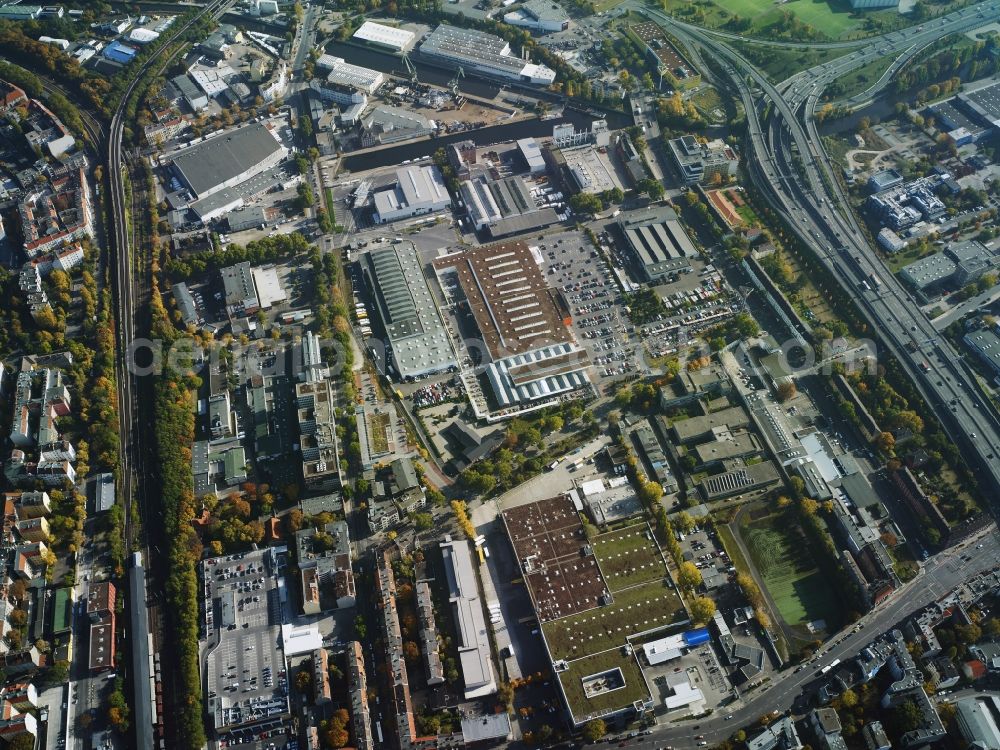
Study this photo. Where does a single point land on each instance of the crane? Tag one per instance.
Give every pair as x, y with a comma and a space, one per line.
412, 71
453, 83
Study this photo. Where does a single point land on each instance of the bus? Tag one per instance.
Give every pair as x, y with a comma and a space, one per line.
829, 666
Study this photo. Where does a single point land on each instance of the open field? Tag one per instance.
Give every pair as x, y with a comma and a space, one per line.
795, 583
628, 557
584, 707
635, 610
832, 19
707, 101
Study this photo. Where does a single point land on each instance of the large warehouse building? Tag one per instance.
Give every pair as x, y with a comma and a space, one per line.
343, 73
483, 54
228, 159
504, 207
387, 37
659, 244
417, 339
418, 190
524, 324
542, 16
467, 609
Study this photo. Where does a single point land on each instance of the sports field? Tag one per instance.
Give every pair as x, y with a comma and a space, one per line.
789, 572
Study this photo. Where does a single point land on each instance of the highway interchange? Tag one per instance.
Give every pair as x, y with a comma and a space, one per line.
811, 202
789, 166
782, 137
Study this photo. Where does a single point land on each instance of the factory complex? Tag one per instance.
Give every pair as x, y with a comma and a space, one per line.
481, 53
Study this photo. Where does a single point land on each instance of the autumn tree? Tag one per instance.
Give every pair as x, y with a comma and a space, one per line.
594, 730
885, 442
702, 610
688, 576
786, 390
411, 653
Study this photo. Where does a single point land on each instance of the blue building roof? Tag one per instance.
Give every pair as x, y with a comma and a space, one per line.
696, 637
118, 52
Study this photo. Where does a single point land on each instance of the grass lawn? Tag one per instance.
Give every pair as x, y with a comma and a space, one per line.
584, 707
831, 18
781, 63
747, 214
635, 610
706, 100
627, 558
862, 78
797, 586
904, 257
807, 296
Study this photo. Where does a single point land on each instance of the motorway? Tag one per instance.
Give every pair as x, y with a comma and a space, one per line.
789, 166
787, 162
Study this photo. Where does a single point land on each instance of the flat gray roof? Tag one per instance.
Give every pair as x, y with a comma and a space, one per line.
986, 344
454, 43
142, 713
930, 270
686, 429
208, 164
417, 335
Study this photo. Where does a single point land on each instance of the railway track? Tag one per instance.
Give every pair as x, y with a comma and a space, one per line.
93, 126
135, 394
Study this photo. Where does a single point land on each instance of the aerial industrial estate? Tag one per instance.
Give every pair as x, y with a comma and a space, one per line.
474, 373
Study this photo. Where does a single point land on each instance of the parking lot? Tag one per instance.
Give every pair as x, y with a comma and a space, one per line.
702, 548
574, 267
244, 662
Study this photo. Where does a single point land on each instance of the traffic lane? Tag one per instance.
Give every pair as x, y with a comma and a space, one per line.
940, 575
902, 313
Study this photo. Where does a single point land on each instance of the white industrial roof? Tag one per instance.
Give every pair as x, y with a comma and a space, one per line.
209, 81
390, 36
300, 640
269, 290
684, 695
474, 649
664, 649
142, 36
345, 73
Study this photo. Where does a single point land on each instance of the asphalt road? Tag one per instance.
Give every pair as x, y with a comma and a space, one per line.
938, 576
801, 185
